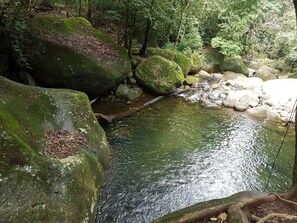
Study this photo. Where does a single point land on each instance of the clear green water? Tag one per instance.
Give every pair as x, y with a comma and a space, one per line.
174, 154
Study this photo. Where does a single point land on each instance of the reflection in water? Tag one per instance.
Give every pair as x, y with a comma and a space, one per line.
173, 155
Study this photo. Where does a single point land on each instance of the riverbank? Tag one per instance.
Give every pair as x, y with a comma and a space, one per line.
272, 99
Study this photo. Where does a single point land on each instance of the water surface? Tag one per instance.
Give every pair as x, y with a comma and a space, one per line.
175, 154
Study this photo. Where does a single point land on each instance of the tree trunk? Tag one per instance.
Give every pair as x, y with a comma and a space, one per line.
182, 14
149, 26
295, 161
142, 51
79, 8
295, 6
89, 10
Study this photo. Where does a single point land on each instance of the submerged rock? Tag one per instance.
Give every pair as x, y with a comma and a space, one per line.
53, 154
77, 56
160, 75
128, 93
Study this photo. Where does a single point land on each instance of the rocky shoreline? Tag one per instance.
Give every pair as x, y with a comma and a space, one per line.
273, 99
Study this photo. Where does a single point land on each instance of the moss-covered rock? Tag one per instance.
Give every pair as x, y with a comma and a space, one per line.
160, 75
182, 60
52, 155
77, 56
235, 65
190, 80
128, 93
197, 63
212, 60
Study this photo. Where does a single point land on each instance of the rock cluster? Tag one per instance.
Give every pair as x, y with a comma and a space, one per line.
262, 99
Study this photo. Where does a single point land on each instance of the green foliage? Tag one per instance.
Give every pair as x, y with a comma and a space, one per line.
16, 24
227, 47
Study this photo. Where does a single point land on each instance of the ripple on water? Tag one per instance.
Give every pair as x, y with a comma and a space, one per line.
175, 154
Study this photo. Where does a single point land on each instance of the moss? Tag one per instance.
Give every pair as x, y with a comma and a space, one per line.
34, 187
69, 69
67, 62
160, 75
212, 60
197, 63
61, 26
182, 60
190, 80
235, 65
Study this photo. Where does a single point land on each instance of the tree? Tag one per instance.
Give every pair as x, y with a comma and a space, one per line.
295, 6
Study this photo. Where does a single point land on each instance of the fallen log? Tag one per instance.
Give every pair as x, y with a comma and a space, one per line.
111, 118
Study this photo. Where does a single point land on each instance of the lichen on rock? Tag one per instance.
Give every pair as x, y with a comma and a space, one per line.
37, 186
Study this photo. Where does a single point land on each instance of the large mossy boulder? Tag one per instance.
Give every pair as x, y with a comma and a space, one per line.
160, 75
197, 63
212, 60
235, 65
53, 154
182, 60
77, 56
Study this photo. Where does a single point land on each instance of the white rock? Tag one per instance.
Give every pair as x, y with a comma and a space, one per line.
251, 83
218, 76
280, 91
241, 100
251, 72
203, 74
263, 112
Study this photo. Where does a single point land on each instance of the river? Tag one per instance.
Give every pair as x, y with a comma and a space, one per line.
174, 154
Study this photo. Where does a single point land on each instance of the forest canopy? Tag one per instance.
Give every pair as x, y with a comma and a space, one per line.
253, 28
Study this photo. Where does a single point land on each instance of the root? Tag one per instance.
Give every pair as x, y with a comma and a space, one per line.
284, 200
277, 215
235, 213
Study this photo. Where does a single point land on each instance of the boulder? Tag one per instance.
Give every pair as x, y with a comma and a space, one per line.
53, 154
128, 93
212, 60
280, 92
267, 73
182, 60
160, 75
241, 100
263, 112
204, 75
190, 80
4, 64
77, 56
197, 63
235, 65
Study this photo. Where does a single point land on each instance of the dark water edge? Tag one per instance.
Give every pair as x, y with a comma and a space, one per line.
175, 154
